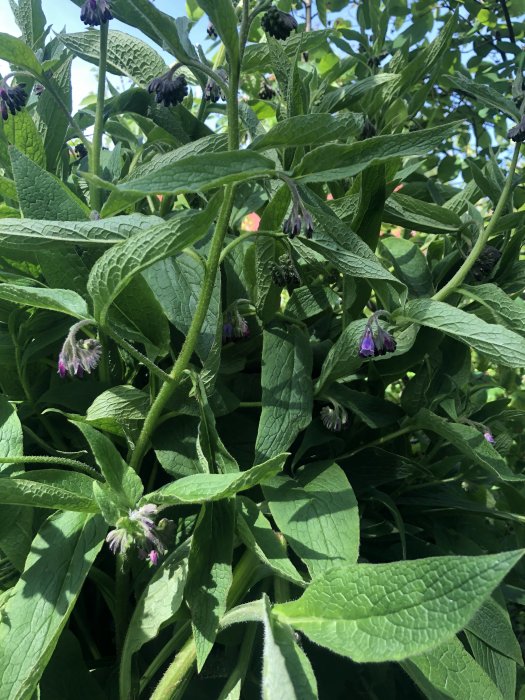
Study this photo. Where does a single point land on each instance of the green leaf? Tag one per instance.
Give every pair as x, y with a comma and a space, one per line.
347, 95
317, 513
257, 58
22, 133
61, 556
116, 268
338, 161
11, 438
203, 488
52, 122
210, 573
50, 488
450, 670
62, 300
485, 94
120, 410
156, 608
470, 442
492, 624
309, 130
127, 55
256, 532
343, 358
418, 215
31, 20
286, 673
125, 485
202, 172
496, 305
67, 675
498, 343
410, 265
387, 612
287, 393
33, 234
17, 53
224, 19
498, 667
41, 194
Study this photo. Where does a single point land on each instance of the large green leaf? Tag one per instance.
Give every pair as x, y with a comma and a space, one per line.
287, 394
156, 607
50, 488
22, 133
287, 673
415, 214
470, 441
202, 172
498, 343
52, 122
388, 612
410, 265
62, 300
31, 20
16, 52
337, 161
210, 573
224, 19
11, 439
37, 235
203, 488
42, 600
127, 55
347, 95
41, 194
450, 670
116, 268
485, 94
317, 513
309, 130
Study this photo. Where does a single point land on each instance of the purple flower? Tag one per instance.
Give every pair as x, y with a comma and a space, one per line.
12, 99
489, 437
138, 528
235, 326
78, 356
384, 342
366, 345
334, 418
169, 90
119, 540
95, 12
153, 557
517, 133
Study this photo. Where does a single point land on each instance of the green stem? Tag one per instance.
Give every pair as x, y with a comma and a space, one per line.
210, 275
94, 160
379, 441
137, 354
175, 680
484, 236
164, 655
243, 236
77, 466
121, 601
238, 674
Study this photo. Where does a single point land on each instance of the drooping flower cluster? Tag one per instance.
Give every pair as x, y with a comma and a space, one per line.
517, 133
138, 529
485, 264
299, 217
278, 24
95, 12
12, 99
211, 31
266, 92
284, 273
235, 326
169, 90
375, 340
78, 356
80, 151
212, 91
334, 417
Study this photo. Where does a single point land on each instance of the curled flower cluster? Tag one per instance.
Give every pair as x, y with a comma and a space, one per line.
138, 529
12, 99
169, 90
266, 92
485, 264
517, 133
78, 356
298, 218
235, 326
278, 24
334, 417
284, 273
95, 12
212, 91
211, 31
375, 340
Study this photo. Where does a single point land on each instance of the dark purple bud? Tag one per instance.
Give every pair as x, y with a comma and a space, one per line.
12, 99
95, 12
517, 133
384, 342
211, 31
278, 24
169, 90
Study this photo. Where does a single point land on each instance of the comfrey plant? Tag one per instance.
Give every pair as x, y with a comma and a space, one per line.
280, 267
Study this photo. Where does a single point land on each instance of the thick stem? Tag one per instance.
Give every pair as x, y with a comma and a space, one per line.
175, 680
484, 236
121, 601
210, 275
94, 160
379, 441
164, 655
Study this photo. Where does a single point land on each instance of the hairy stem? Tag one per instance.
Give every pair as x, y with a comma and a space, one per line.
63, 461
484, 236
94, 160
